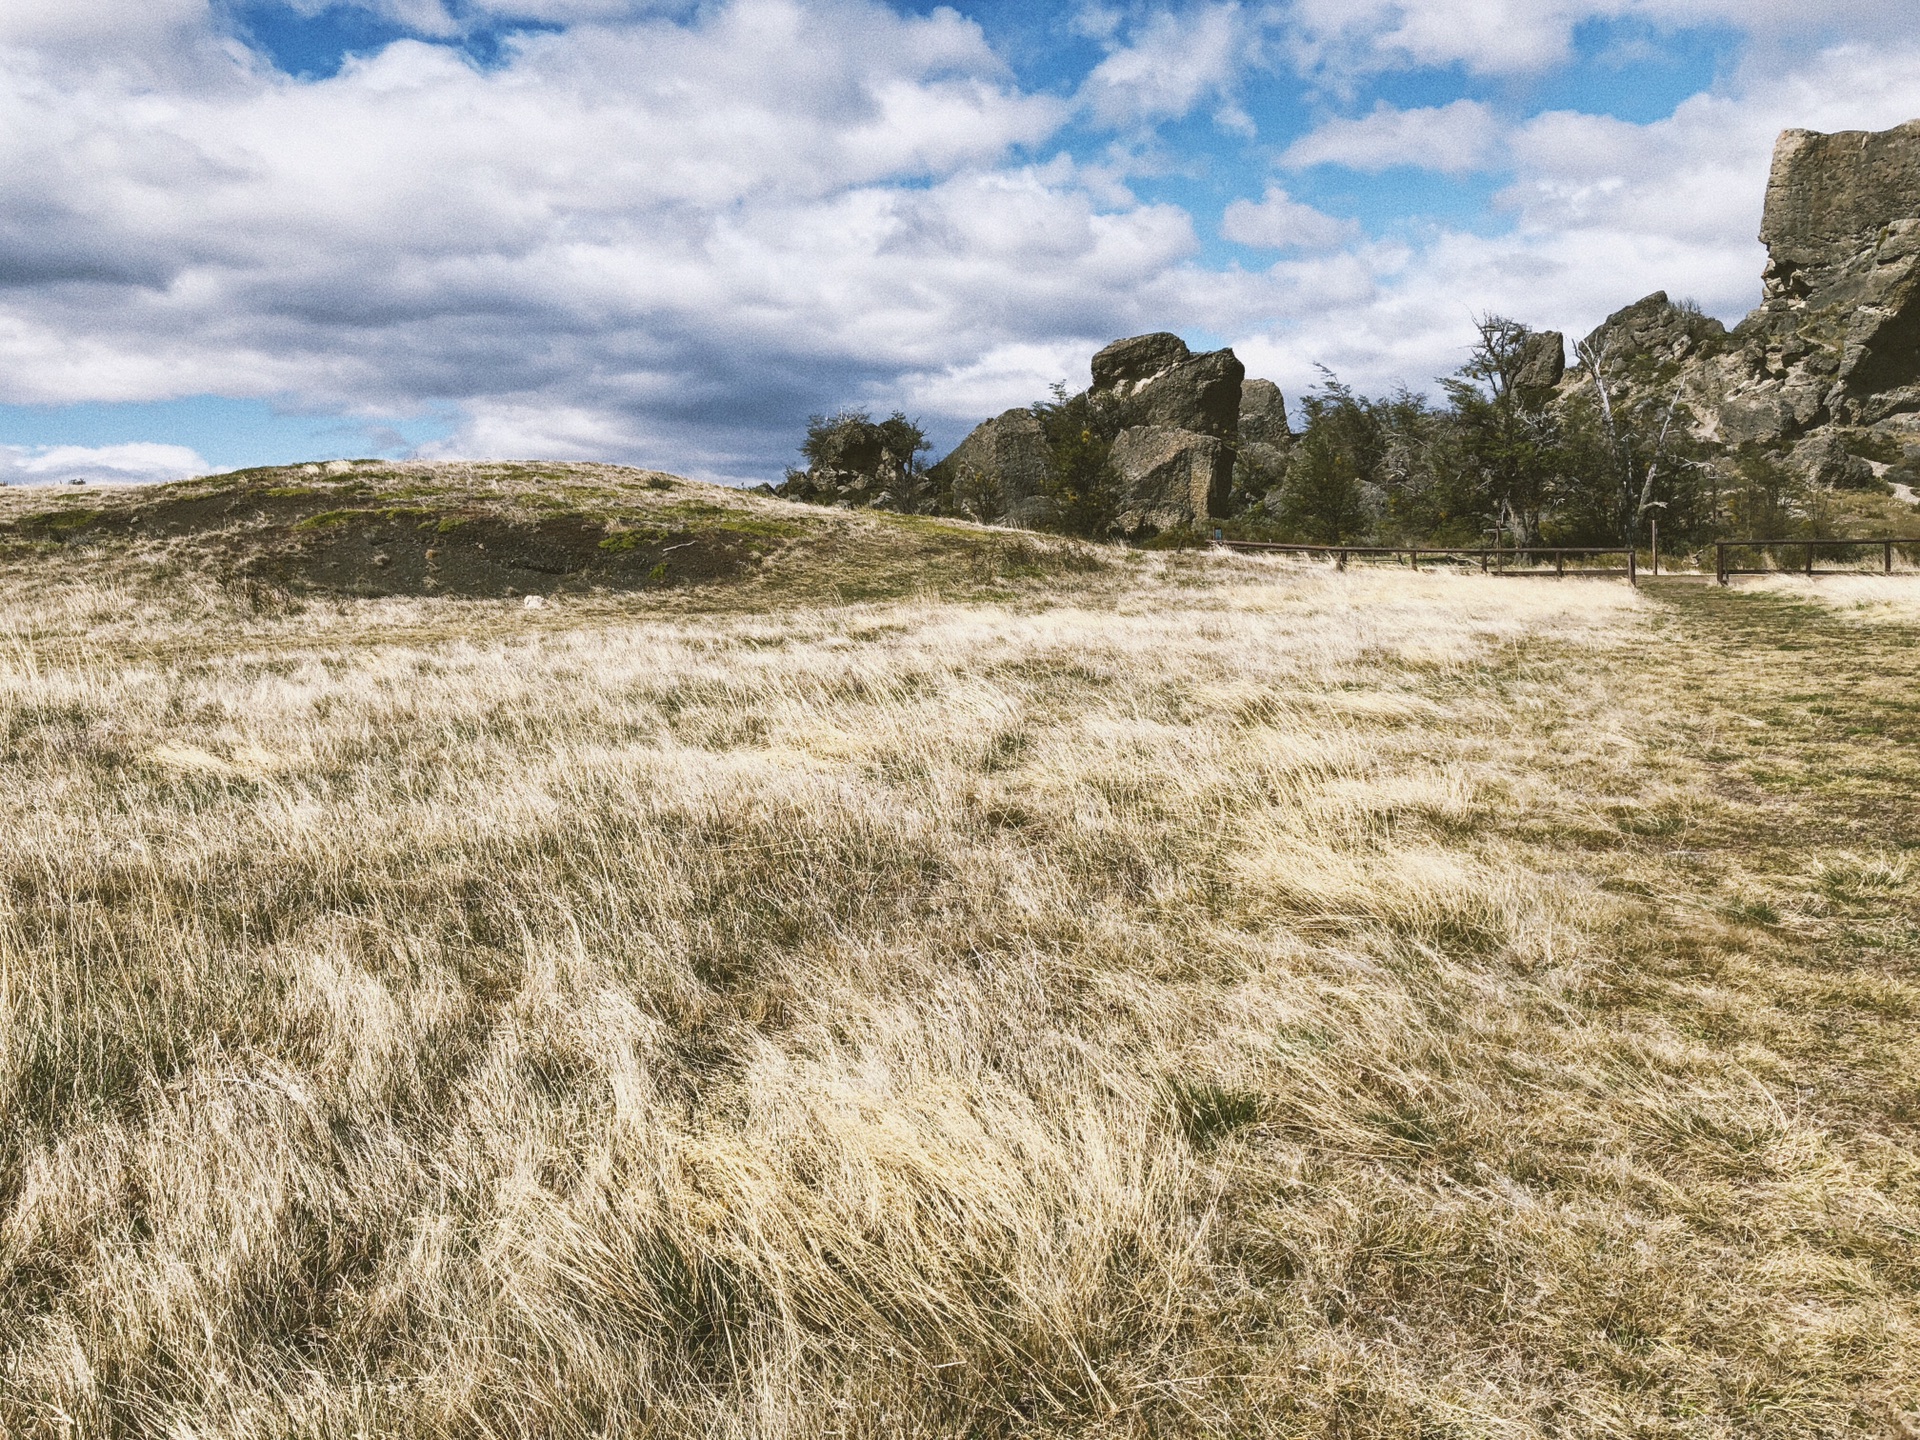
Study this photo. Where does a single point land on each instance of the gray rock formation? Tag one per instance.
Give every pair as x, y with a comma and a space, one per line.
1824, 459
1266, 442
1166, 384
1170, 478
1841, 314
1175, 457
1835, 344
855, 464
1263, 415
1182, 419
1654, 329
999, 472
1543, 361
1829, 364
1126, 365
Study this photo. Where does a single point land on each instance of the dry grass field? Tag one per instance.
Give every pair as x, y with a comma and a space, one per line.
917, 981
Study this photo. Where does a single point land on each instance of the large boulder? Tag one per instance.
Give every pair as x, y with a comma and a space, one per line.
1266, 442
1170, 479
1166, 384
999, 472
1543, 362
1263, 415
1126, 365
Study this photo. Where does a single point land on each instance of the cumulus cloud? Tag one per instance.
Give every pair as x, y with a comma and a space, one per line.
1279, 222
1454, 139
1516, 37
115, 464
1176, 62
687, 233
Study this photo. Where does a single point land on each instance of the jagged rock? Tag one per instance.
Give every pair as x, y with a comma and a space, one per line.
1836, 339
1263, 415
1266, 442
999, 472
1166, 384
1655, 329
1543, 361
1825, 460
1828, 199
1170, 478
1126, 365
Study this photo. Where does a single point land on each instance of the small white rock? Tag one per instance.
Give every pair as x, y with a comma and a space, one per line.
535, 602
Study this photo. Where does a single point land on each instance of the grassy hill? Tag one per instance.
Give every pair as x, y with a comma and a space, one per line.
463, 530
922, 980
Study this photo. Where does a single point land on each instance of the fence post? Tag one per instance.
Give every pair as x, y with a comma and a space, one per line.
1343, 561
1889, 557
1633, 571
1656, 545
1560, 564
1809, 561
1720, 561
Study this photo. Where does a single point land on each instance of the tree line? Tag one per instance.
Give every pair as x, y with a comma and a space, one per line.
1489, 460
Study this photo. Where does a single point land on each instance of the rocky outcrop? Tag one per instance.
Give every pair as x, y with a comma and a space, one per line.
1179, 420
856, 462
1828, 366
1841, 313
999, 472
1263, 415
1654, 330
1543, 362
1175, 458
1266, 443
1170, 478
1165, 384
1834, 346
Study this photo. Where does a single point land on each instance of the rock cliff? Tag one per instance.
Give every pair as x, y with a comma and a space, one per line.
1832, 354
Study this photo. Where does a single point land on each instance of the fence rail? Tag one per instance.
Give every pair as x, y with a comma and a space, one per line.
1811, 548
1494, 560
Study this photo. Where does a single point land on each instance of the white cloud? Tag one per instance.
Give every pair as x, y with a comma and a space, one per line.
1454, 139
118, 464
694, 232
1517, 37
1176, 61
1489, 36
1279, 222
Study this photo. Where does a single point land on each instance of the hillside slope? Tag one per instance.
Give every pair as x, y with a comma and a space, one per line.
377, 528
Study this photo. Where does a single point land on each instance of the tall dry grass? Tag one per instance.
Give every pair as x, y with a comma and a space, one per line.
1174, 1009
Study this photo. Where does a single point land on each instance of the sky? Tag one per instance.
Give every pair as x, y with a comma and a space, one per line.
240, 232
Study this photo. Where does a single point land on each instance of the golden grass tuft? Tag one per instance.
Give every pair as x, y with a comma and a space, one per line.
1210, 997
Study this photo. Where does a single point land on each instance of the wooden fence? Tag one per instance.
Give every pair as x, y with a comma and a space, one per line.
1548, 560
1808, 550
